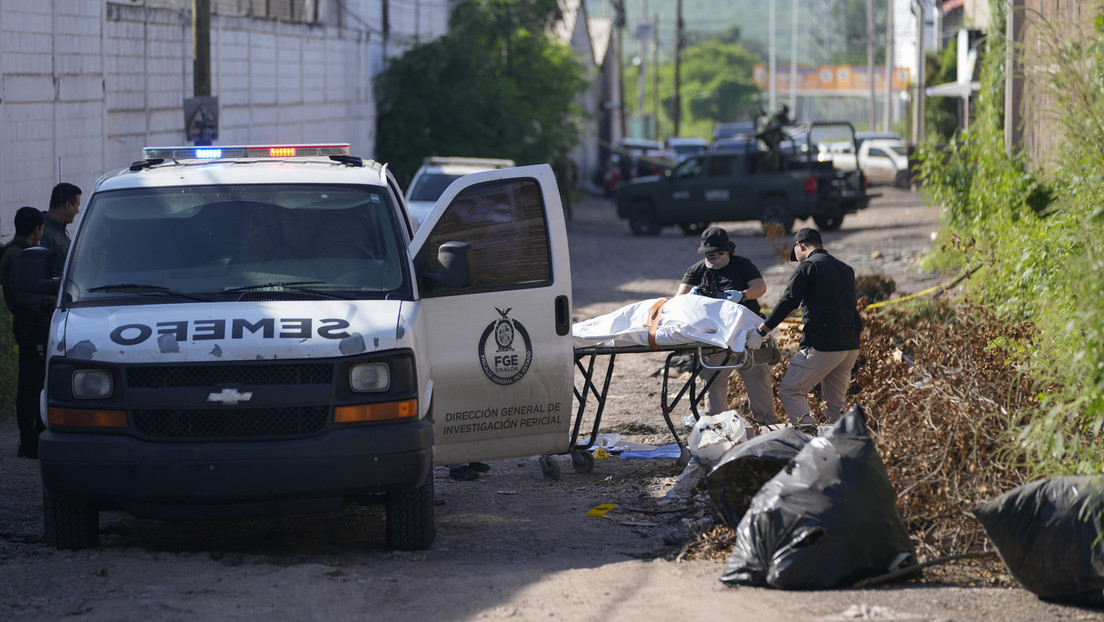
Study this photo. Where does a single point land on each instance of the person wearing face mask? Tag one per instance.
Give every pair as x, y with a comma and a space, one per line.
724, 274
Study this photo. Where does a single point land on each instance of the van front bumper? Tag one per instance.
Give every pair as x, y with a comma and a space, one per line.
108, 469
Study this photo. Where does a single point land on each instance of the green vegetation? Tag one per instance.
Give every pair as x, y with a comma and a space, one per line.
496, 86
1035, 228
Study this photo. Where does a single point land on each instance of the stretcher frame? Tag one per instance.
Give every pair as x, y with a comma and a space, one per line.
586, 362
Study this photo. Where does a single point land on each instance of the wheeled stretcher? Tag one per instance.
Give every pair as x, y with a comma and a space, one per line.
715, 328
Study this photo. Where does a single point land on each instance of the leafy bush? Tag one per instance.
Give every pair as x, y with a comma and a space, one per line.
1038, 235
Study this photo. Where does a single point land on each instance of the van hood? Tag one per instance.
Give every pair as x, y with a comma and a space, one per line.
231, 331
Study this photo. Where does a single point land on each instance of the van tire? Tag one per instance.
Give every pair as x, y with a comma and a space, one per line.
773, 210
69, 524
642, 219
410, 520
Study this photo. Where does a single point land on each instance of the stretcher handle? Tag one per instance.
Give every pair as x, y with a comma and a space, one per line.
740, 358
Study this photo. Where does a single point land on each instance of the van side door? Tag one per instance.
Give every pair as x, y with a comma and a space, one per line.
499, 344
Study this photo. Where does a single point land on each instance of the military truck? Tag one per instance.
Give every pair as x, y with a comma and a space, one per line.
776, 176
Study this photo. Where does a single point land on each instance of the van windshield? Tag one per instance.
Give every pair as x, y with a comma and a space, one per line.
244, 242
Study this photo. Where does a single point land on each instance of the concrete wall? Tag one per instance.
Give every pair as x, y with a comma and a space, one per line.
84, 85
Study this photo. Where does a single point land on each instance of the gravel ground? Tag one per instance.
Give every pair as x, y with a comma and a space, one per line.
512, 544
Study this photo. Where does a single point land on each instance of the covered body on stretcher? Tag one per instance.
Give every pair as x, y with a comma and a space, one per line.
692, 324
682, 321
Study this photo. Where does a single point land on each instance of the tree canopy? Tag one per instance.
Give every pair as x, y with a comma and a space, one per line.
498, 85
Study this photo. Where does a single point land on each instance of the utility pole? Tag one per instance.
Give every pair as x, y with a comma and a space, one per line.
871, 123
201, 110
771, 60
676, 104
889, 68
655, 76
201, 53
619, 20
793, 60
921, 65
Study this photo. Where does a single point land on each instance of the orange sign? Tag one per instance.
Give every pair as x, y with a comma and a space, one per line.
830, 78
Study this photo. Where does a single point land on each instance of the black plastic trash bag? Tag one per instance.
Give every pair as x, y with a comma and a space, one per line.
828, 520
743, 470
1048, 533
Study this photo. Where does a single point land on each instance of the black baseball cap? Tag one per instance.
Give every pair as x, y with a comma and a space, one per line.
715, 240
805, 235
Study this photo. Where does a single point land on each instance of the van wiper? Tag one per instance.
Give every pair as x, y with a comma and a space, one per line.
296, 286
139, 288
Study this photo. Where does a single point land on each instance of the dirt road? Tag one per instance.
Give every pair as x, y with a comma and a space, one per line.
512, 544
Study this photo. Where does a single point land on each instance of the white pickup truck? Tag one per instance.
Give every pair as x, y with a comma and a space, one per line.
258, 330
882, 160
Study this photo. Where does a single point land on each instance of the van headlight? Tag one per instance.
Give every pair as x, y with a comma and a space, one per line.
91, 384
370, 377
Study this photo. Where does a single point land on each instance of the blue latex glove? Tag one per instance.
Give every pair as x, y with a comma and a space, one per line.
734, 295
695, 290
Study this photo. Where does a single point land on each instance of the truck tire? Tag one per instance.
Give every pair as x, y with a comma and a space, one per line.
902, 179
828, 222
70, 524
773, 210
642, 219
693, 228
410, 521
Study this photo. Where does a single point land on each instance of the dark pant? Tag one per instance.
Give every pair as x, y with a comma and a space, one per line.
31, 337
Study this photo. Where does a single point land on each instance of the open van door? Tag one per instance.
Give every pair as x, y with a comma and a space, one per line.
496, 307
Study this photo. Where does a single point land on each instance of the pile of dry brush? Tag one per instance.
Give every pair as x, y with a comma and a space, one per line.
940, 394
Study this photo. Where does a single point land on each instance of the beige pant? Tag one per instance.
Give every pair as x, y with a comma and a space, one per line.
757, 383
809, 367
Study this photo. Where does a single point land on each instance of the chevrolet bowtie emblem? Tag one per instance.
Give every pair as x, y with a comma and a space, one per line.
230, 397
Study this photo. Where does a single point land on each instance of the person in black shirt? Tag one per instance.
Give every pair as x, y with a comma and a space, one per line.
724, 274
824, 287
30, 327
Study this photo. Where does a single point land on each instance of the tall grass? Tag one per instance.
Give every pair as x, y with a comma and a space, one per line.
1038, 230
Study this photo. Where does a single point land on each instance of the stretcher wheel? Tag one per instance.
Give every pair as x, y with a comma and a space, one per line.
550, 469
684, 457
582, 460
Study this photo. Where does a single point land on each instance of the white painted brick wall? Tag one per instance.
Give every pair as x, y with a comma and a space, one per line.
94, 81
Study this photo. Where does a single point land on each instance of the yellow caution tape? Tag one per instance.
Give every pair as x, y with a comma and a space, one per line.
600, 510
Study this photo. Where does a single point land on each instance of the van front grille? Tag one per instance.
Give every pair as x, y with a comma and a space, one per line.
197, 424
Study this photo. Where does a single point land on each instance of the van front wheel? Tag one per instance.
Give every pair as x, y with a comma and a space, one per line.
70, 524
410, 520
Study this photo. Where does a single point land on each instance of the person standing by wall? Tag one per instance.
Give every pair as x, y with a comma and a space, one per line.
824, 288
724, 274
65, 202
30, 327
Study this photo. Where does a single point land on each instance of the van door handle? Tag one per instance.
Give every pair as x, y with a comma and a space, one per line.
563, 315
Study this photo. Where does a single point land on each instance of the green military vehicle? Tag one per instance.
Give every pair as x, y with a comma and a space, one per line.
776, 177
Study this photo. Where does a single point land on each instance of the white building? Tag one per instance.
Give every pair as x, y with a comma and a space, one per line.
85, 84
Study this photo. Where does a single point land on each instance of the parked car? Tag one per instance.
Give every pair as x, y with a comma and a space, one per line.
684, 147
633, 158
883, 161
861, 137
438, 173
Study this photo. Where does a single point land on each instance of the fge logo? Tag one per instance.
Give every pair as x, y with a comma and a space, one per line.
506, 358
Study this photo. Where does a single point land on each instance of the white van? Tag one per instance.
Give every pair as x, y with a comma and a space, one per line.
257, 330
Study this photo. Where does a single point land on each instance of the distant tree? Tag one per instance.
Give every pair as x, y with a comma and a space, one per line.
716, 80
496, 86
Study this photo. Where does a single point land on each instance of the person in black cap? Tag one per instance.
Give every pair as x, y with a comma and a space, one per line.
824, 287
724, 274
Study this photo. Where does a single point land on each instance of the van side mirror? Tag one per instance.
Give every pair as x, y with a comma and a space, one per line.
33, 272
455, 269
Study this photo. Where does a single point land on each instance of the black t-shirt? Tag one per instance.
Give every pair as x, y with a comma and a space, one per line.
738, 273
